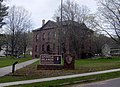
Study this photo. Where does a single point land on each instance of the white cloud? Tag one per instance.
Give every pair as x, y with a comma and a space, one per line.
44, 9
89, 3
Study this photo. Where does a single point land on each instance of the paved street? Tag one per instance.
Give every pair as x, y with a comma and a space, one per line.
7, 70
106, 83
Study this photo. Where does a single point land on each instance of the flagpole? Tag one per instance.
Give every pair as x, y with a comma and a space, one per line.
61, 9
61, 27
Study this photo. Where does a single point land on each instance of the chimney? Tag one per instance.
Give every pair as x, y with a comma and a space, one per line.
43, 22
58, 19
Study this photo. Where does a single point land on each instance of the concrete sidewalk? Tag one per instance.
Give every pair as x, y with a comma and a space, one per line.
56, 78
7, 70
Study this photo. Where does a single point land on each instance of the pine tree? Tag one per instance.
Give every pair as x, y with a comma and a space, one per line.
3, 12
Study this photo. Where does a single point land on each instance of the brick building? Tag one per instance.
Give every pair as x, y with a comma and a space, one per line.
52, 39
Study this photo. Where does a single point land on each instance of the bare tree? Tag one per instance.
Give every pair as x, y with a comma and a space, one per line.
18, 22
72, 11
72, 15
109, 18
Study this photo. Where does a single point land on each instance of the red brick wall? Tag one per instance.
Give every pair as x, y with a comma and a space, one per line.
46, 42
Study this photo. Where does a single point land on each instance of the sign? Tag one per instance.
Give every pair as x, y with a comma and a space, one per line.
46, 59
69, 59
53, 62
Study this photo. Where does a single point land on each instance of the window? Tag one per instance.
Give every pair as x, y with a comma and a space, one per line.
37, 37
82, 46
35, 48
42, 47
48, 48
35, 56
43, 36
89, 35
64, 32
53, 46
48, 35
54, 35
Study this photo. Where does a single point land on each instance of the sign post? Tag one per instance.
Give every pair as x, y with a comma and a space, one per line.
13, 66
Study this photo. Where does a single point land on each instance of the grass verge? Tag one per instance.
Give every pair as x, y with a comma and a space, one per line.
82, 66
6, 61
67, 82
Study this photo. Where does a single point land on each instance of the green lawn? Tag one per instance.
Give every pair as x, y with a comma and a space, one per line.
82, 66
72, 81
98, 64
9, 61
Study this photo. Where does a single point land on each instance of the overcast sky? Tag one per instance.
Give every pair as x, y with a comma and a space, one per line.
44, 9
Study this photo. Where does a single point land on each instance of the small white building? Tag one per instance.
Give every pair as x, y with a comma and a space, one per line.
3, 51
115, 52
110, 50
106, 50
